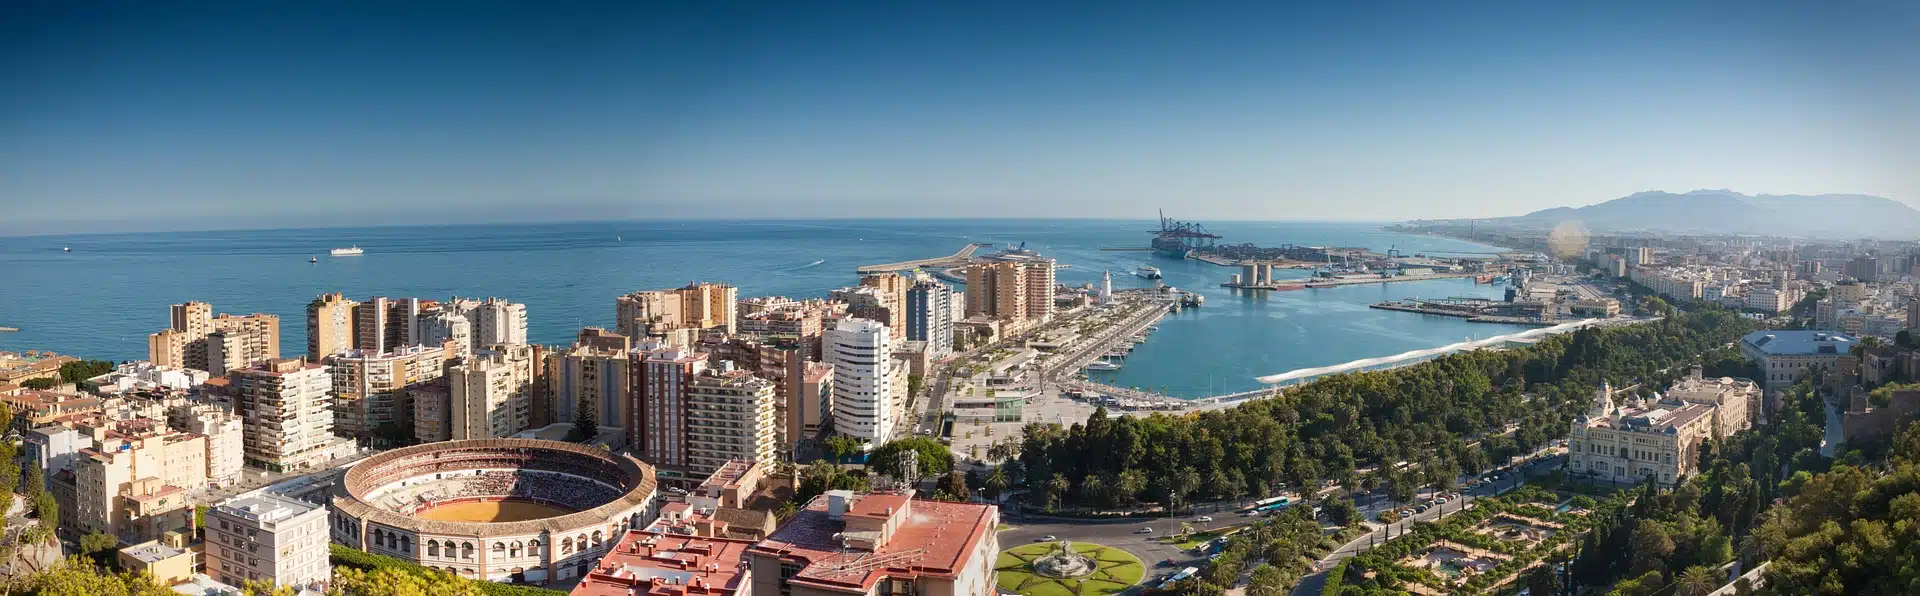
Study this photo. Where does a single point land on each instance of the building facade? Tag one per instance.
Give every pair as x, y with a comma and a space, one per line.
370, 399
269, 538
329, 325
287, 406
730, 416
864, 379
1628, 443
930, 316
672, 314
657, 421
1784, 355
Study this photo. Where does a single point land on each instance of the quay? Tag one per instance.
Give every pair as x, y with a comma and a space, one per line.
1333, 283
957, 259
1474, 311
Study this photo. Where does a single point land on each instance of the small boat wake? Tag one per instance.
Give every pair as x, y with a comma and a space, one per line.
810, 265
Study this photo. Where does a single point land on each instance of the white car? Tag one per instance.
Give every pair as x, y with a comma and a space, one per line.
1143, 531
1205, 519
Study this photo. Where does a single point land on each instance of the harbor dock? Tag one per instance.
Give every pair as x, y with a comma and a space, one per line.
957, 259
1336, 282
1474, 311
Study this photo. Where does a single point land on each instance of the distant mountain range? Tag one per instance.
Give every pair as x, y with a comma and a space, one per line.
1728, 212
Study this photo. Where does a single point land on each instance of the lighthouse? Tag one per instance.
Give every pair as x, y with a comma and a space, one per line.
1106, 287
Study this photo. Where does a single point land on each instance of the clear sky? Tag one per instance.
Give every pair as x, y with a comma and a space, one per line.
168, 115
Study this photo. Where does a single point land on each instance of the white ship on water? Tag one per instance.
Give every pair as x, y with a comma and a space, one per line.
347, 252
1148, 272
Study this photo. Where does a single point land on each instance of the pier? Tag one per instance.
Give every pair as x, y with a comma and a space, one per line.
957, 259
1473, 310
1337, 282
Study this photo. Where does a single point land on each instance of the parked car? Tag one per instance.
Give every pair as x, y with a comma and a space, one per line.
1421, 509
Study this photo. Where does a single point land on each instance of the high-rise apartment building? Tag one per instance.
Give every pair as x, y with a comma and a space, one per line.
330, 326
864, 379
930, 316
287, 406
729, 416
1039, 287
446, 326
242, 340
490, 394
382, 324
811, 410
996, 290
657, 420
1011, 291
370, 399
593, 374
893, 293
497, 321
267, 538
676, 315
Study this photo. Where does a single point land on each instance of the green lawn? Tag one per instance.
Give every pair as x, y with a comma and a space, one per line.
1117, 571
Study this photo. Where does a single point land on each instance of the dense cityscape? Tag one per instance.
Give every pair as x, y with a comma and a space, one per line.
1682, 410
959, 299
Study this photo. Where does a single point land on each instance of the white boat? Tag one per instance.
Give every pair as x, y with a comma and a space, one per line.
346, 252
1148, 272
1102, 365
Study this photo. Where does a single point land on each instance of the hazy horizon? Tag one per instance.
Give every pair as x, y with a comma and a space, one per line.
156, 117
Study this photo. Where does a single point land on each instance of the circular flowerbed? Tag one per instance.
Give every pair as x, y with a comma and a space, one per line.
1116, 570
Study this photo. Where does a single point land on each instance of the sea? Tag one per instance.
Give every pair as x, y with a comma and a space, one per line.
102, 299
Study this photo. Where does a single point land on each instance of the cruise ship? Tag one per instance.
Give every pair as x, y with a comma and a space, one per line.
346, 252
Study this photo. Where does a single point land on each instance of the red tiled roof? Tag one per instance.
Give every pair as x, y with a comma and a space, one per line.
646, 563
934, 538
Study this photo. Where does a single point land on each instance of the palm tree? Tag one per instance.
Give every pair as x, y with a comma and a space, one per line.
1057, 488
1696, 581
997, 481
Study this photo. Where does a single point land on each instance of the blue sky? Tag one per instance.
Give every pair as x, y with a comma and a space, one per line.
197, 115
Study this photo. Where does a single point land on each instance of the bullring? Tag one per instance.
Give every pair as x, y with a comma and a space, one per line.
518, 510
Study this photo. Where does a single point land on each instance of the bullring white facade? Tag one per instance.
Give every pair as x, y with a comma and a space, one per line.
373, 506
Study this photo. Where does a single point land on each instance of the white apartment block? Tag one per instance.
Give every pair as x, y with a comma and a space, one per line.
267, 538
288, 408
497, 321
730, 416
445, 326
226, 439
864, 379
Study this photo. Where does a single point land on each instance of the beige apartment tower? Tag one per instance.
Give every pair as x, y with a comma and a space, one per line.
730, 416
893, 297
329, 326
668, 314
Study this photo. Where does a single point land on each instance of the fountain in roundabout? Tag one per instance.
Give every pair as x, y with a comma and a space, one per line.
1063, 563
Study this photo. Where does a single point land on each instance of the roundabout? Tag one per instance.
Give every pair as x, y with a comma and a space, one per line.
1068, 569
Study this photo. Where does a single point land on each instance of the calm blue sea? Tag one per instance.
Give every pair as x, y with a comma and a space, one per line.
102, 299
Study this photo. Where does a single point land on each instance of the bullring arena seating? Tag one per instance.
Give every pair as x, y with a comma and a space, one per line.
565, 491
